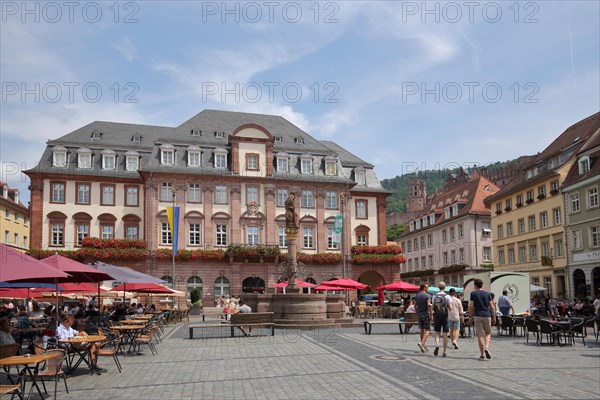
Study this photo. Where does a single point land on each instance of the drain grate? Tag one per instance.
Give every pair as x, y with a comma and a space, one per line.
388, 357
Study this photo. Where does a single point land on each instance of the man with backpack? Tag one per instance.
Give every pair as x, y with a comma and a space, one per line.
442, 304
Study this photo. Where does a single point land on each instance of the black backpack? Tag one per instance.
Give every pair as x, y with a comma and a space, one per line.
440, 307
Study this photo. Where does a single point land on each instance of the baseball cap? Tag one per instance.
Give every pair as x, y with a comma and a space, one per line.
452, 290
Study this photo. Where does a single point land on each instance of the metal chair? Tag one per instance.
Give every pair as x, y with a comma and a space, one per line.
531, 326
111, 348
507, 324
578, 330
548, 329
54, 368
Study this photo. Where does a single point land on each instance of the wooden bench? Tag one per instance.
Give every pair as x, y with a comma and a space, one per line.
213, 311
409, 319
266, 319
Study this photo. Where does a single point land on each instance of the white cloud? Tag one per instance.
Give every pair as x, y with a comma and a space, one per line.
127, 49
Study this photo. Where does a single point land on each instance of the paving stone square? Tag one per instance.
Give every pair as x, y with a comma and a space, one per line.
342, 363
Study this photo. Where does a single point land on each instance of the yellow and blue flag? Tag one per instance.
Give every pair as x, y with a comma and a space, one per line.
173, 219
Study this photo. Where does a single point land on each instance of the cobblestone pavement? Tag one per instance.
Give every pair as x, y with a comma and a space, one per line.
342, 364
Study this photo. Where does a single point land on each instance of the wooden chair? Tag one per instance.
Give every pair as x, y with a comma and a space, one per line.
9, 350
53, 369
111, 348
11, 389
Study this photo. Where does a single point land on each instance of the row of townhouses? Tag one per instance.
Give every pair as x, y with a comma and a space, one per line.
545, 220
230, 173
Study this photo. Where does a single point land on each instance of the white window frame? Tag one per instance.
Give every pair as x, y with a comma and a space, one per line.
132, 163
283, 164
165, 235
166, 191
221, 195
83, 196
221, 235
107, 231
167, 156
533, 256
194, 236
58, 234
253, 235
557, 216
558, 247
307, 199
59, 158
194, 194
577, 239
282, 195
220, 160
331, 200
574, 201
543, 220
281, 236
132, 196
84, 160
109, 161
592, 197
306, 166
58, 194
252, 194
308, 237
594, 236
194, 158
531, 223
131, 232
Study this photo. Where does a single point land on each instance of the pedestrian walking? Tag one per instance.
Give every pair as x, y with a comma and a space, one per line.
482, 313
425, 314
456, 317
441, 307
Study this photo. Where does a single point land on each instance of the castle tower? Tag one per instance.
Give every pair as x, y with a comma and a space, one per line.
416, 195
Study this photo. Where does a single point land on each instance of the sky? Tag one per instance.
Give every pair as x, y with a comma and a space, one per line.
404, 85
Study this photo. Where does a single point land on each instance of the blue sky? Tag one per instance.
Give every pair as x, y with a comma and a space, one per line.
403, 85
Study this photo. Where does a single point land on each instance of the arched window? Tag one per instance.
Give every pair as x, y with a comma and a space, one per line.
221, 287
168, 281
253, 284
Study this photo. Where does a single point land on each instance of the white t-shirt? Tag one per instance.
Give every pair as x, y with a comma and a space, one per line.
457, 309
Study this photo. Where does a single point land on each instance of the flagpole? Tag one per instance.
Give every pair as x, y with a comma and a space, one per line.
174, 192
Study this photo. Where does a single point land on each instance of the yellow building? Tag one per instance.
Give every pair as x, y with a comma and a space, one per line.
528, 215
14, 218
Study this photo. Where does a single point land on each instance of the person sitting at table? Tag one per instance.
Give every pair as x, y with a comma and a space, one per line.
65, 331
36, 311
6, 329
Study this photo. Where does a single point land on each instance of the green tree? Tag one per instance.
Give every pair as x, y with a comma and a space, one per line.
394, 231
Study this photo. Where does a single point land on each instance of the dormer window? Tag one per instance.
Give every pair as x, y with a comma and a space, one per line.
360, 176
278, 139
96, 135
330, 165
584, 165
220, 158
196, 132
84, 158
59, 157
306, 164
299, 140
109, 159
132, 160
220, 135
283, 162
193, 153
167, 154
136, 138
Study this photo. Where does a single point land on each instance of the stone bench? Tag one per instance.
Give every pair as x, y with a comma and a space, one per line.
409, 319
214, 311
264, 319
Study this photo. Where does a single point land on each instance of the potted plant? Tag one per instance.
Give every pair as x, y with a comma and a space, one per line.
541, 197
507, 208
519, 205
197, 305
498, 212
554, 192
529, 201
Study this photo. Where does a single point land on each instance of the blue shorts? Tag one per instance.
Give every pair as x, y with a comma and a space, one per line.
453, 324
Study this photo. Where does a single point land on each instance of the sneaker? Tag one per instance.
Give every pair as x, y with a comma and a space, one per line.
455, 345
436, 351
481, 358
487, 354
421, 347
444, 355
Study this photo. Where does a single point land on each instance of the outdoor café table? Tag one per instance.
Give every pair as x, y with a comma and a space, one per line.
83, 351
30, 364
142, 316
131, 321
129, 331
562, 326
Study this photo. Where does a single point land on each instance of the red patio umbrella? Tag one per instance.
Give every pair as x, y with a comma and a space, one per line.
142, 288
346, 283
16, 266
399, 286
332, 288
79, 272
